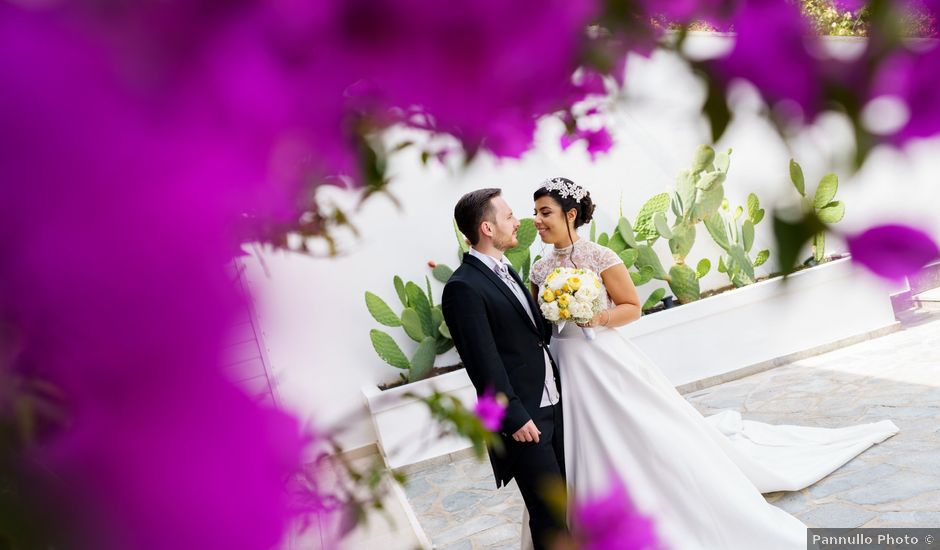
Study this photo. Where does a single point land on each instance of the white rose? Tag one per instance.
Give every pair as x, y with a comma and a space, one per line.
586, 294
580, 310
557, 282
550, 311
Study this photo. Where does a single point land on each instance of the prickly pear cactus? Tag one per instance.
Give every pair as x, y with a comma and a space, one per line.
683, 282
823, 203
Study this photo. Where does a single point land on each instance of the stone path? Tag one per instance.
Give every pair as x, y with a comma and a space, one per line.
895, 483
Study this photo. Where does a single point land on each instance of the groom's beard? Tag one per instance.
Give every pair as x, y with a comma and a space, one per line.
505, 243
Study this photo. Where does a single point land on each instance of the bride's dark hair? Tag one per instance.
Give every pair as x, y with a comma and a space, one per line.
584, 207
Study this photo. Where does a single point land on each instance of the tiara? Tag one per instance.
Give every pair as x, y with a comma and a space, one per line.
566, 188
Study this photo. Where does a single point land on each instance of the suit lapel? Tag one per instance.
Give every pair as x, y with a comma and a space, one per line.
494, 278
528, 295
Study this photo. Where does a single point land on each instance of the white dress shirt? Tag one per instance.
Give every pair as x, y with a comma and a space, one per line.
550, 390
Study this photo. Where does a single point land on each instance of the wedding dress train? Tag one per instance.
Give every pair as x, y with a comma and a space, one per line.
700, 479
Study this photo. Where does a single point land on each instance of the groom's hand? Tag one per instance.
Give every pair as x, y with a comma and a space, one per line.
527, 433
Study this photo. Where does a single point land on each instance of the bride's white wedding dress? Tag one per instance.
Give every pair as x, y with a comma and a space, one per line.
700, 479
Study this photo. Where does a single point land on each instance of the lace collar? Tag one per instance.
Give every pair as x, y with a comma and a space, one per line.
566, 251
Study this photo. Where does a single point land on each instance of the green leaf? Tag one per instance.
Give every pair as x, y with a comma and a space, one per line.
644, 220
702, 158
762, 257
683, 282
703, 267
738, 211
716, 109
388, 350
792, 236
796, 176
648, 257
747, 235
423, 360
411, 322
741, 262
629, 256
722, 268
715, 225
380, 311
683, 237
461, 239
709, 180
593, 231
662, 227
437, 318
443, 345
819, 246
603, 239
832, 212
654, 298
420, 303
518, 257
754, 212
400, 289
442, 272
685, 194
427, 283
642, 276
526, 233
708, 202
617, 244
826, 191
445, 331
626, 232
723, 161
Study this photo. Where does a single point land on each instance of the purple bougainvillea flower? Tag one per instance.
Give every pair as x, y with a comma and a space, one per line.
119, 215
597, 141
771, 52
910, 77
893, 251
474, 66
490, 409
611, 521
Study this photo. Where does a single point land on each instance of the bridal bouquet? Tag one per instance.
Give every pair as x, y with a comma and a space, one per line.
570, 294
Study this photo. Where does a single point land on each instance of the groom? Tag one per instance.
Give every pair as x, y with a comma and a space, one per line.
503, 341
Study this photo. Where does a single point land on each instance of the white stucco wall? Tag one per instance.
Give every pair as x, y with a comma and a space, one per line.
313, 312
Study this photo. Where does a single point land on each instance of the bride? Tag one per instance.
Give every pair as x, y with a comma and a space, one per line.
699, 479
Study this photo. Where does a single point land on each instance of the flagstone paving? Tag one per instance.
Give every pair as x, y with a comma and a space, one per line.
892, 484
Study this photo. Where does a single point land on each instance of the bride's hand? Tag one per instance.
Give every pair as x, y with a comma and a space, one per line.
593, 322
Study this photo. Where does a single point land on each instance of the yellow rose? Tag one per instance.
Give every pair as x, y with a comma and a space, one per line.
558, 292
564, 314
565, 288
548, 296
574, 283
563, 300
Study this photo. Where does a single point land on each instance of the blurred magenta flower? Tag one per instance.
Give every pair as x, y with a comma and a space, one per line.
490, 409
893, 251
610, 521
119, 217
597, 141
909, 76
772, 51
483, 70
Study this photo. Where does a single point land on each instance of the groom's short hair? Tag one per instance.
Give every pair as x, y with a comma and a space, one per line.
472, 209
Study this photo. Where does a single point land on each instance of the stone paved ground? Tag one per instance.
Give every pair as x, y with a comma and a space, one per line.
895, 483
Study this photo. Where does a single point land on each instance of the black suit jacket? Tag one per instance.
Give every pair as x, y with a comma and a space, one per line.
500, 347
